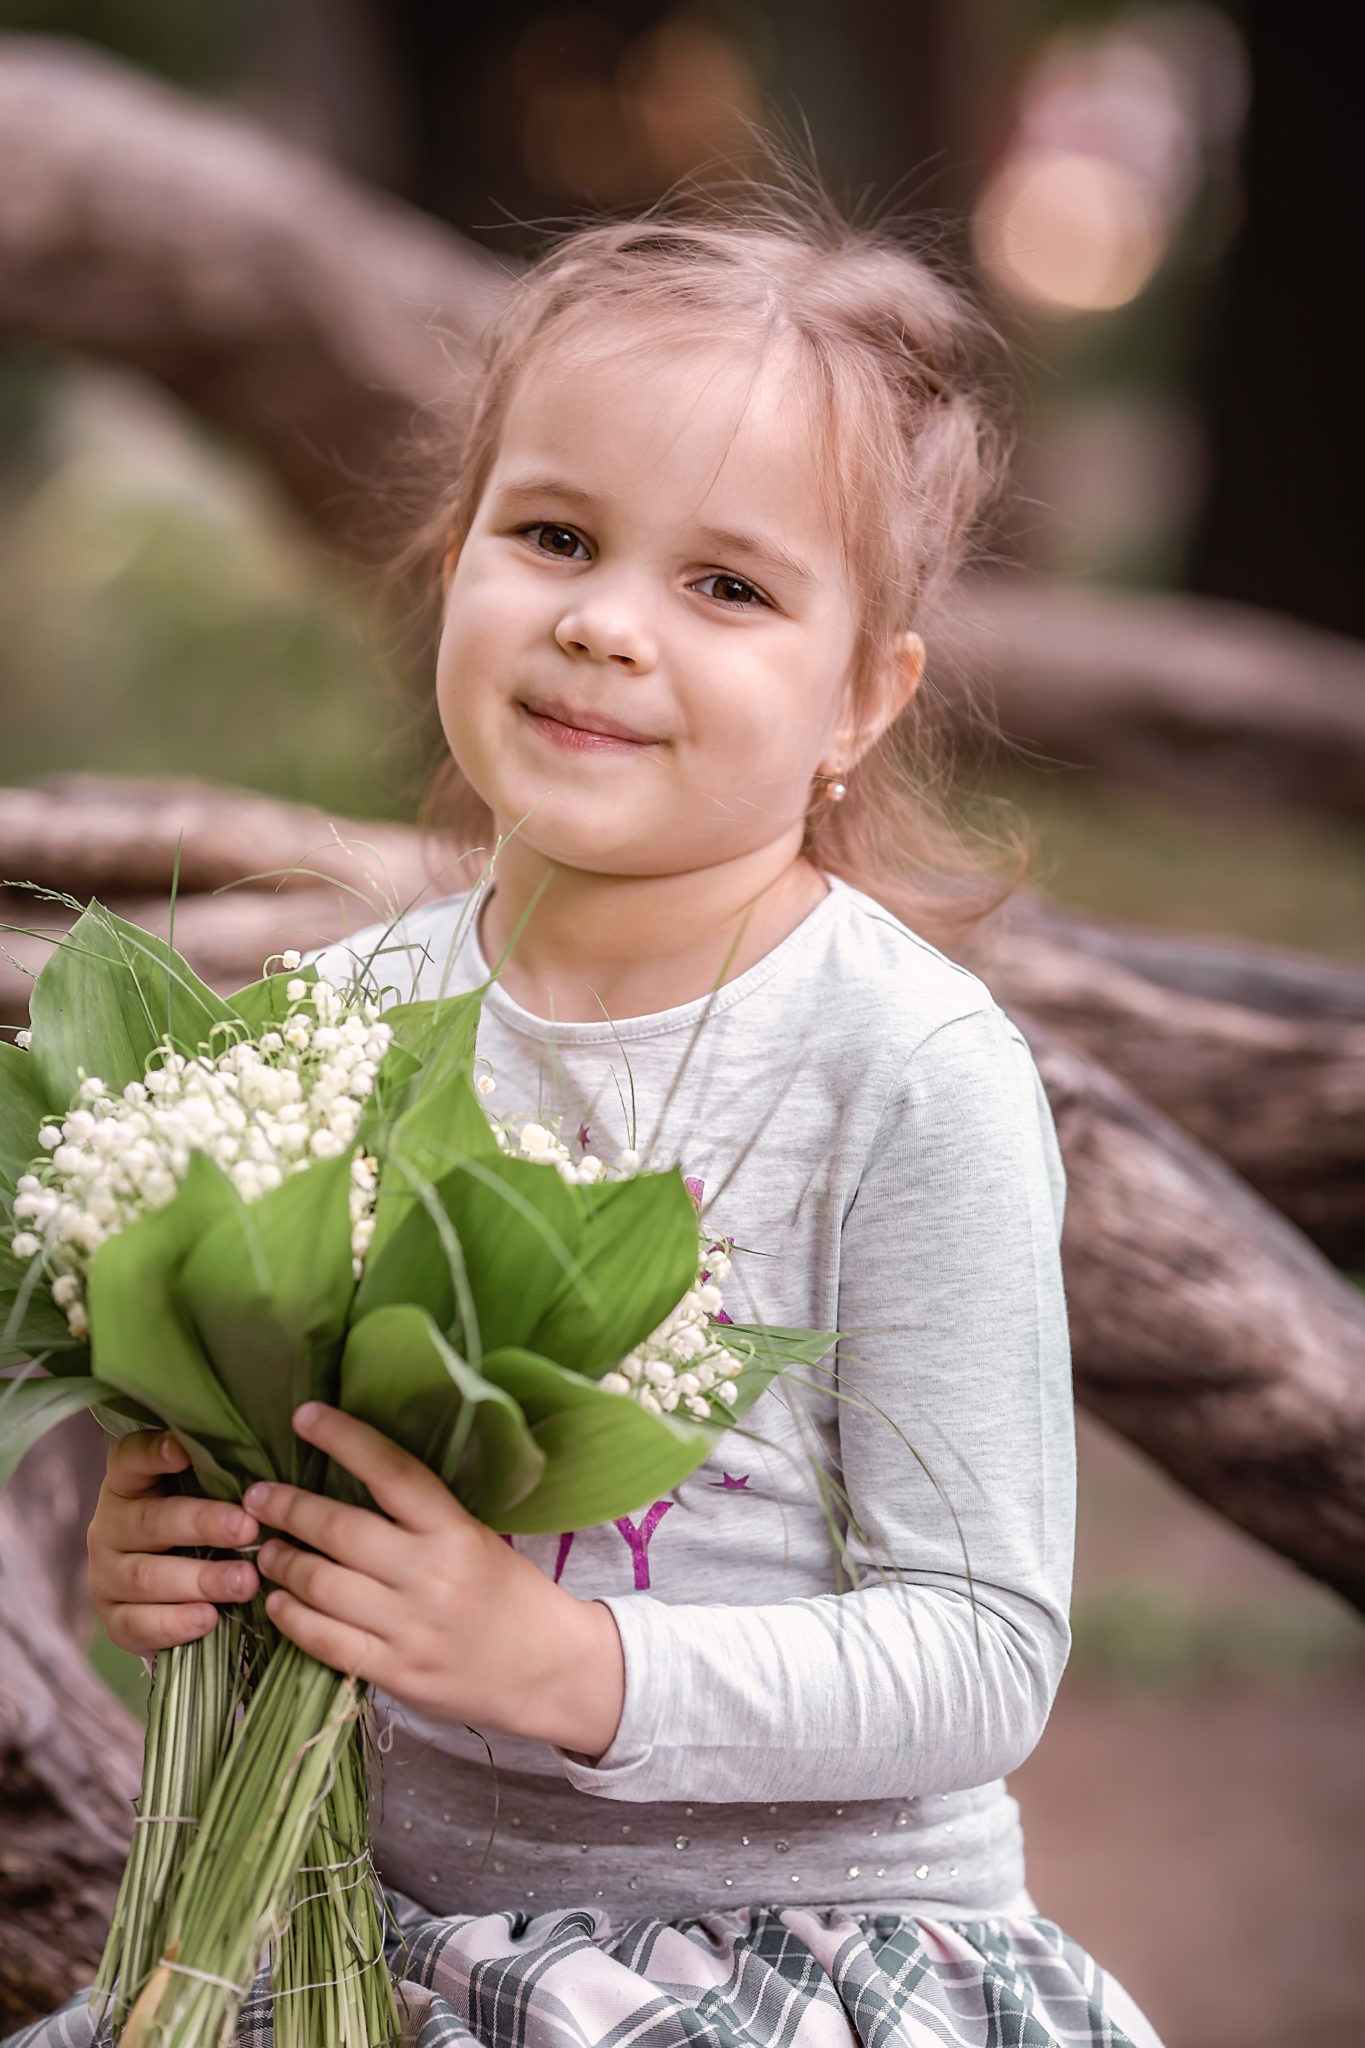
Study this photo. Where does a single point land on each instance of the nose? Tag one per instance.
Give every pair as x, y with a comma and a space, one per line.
608, 632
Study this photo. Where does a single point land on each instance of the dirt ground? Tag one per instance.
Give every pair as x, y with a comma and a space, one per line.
1195, 1813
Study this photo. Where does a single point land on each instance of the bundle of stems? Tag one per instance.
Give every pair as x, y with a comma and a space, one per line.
328, 1975
196, 1690
293, 1777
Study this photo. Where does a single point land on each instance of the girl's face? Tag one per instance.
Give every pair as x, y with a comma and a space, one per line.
649, 629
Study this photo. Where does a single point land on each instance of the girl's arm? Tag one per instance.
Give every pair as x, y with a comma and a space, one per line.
939, 1672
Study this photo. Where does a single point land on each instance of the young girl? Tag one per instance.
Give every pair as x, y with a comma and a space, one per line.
749, 1745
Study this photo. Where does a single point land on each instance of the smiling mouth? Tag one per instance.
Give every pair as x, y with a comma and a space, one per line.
582, 731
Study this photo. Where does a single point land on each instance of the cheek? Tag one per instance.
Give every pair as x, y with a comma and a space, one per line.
471, 659
764, 720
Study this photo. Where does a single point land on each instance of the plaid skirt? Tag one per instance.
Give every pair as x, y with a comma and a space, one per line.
798, 1978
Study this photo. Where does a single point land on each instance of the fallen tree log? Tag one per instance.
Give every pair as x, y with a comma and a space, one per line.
107, 836
1274, 979
308, 316
1205, 1329
1280, 1099
70, 1755
1195, 699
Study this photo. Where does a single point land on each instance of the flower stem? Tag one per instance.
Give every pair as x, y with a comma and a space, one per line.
239, 1877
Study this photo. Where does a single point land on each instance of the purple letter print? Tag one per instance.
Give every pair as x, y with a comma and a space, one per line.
638, 1539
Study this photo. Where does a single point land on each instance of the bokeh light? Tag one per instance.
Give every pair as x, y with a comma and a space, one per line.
1069, 233
1112, 135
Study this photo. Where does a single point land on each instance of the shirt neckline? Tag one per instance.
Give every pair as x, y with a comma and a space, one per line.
657, 1023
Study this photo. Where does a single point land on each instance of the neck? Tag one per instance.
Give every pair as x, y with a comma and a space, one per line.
629, 945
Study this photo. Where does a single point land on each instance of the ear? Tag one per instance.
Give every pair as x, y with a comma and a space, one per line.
892, 689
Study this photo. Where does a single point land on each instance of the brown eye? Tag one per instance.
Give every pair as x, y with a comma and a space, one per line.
731, 590
556, 540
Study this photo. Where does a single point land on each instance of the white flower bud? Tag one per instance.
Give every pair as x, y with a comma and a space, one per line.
614, 1383
727, 1392
485, 1084
648, 1402
23, 1039
289, 960
296, 991
26, 1245
49, 1137
77, 1321
326, 1145
698, 1407
66, 1289
629, 1160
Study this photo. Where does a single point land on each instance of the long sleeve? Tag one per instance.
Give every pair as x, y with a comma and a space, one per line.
952, 1439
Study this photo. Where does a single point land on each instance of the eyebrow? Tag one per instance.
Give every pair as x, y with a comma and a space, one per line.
728, 540
542, 486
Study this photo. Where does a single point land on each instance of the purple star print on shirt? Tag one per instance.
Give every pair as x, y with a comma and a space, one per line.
728, 1484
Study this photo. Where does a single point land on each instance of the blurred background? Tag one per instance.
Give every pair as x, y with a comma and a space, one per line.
1162, 204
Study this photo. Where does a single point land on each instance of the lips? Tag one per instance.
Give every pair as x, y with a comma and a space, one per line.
566, 726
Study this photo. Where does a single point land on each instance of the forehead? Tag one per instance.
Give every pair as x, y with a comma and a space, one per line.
699, 430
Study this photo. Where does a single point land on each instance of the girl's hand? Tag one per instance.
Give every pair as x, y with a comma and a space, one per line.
147, 1600
430, 1604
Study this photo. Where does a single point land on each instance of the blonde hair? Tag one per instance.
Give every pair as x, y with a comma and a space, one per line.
906, 423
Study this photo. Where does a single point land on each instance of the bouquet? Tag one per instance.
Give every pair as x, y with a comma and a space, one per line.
215, 1208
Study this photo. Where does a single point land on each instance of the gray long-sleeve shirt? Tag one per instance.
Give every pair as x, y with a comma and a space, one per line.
872, 1133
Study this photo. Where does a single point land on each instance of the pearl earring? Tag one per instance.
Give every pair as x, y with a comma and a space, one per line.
836, 792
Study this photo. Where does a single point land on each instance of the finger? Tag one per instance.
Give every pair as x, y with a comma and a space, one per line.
138, 1463
144, 1630
329, 1588
176, 1521
149, 1579
403, 1487
353, 1536
352, 1650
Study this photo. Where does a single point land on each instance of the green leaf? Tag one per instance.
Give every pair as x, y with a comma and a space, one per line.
107, 996
773, 1348
264, 1005
604, 1455
518, 1227
141, 1342
30, 1408
637, 1258
267, 1291
439, 1033
23, 1110
399, 1374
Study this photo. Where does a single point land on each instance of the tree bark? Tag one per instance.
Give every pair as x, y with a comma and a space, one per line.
1205, 1329
1195, 699
310, 317
1281, 1099
1274, 979
109, 835
70, 1755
